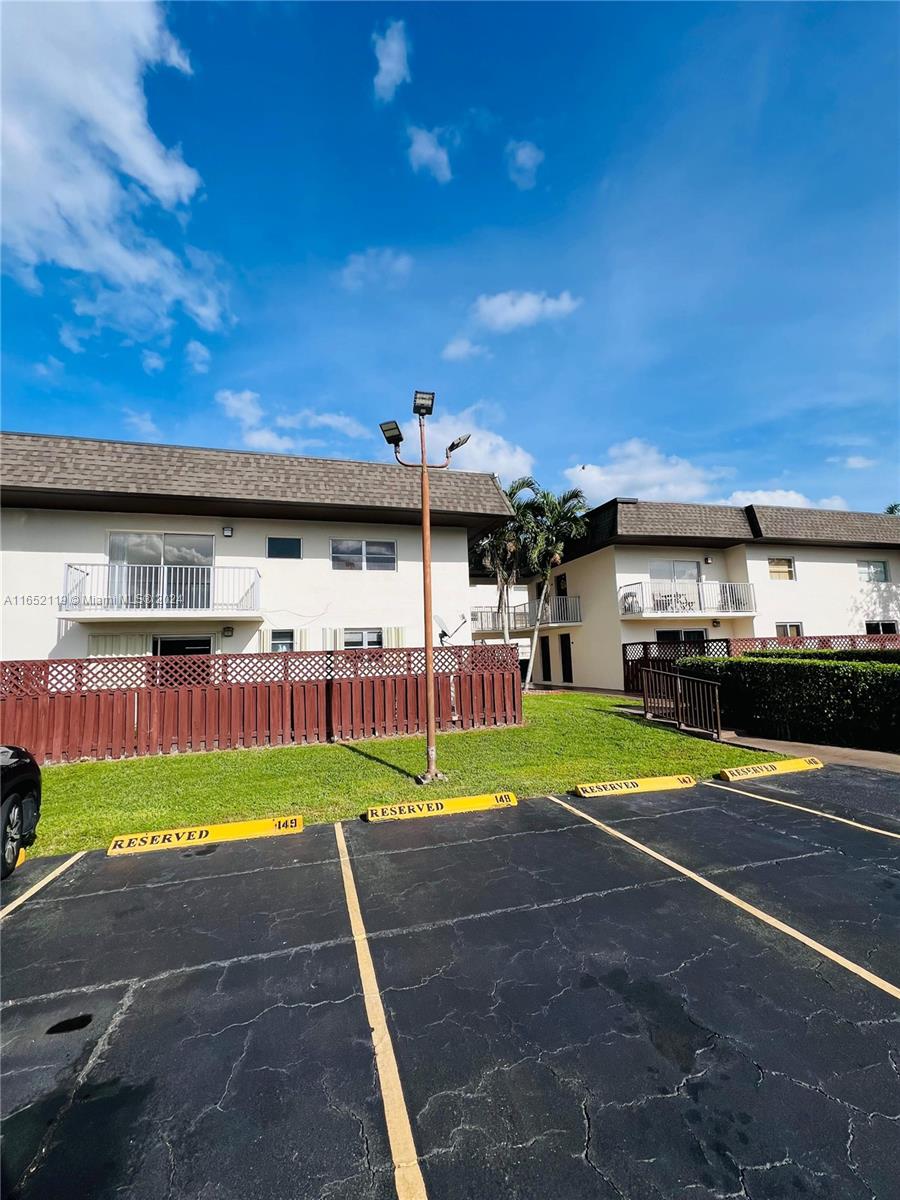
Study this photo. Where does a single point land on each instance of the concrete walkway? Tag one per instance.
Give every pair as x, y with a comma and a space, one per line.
847, 756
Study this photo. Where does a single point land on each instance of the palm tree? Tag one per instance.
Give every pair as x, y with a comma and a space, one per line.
893, 510
550, 522
500, 551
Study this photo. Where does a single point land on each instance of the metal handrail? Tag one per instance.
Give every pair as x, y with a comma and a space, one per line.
682, 597
689, 701
125, 587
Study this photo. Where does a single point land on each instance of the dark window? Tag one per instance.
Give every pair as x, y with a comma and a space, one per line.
562, 585
881, 626
284, 547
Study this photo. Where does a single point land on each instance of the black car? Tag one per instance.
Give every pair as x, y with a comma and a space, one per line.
20, 781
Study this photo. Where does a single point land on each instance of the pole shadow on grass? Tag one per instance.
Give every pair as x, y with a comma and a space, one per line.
382, 761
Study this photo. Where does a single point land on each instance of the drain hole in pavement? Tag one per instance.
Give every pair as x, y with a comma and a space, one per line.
71, 1023
199, 852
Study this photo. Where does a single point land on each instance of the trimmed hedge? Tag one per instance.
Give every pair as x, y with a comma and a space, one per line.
835, 702
884, 654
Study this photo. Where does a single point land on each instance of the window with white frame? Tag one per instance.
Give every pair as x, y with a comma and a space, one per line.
881, 626
282, 641
353, 554
363, 639
782, 568
788, 629
872, 570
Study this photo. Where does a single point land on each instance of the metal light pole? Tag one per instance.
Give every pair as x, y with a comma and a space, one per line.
423, 405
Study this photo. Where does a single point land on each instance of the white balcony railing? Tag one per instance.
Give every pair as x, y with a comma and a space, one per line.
557, 610
121, 588
682, 598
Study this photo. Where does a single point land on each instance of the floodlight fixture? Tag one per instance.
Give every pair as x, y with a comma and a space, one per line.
423, 403
457, 443
392, 433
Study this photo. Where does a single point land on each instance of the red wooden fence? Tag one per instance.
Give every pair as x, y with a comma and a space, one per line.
350, 699
662, 656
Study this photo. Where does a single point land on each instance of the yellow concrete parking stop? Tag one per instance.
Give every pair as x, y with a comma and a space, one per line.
232, 831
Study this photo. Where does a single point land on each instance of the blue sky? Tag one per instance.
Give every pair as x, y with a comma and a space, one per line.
646, 249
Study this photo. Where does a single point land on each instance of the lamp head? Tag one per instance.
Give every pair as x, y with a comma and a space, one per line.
392, 433
457, 442
423, 403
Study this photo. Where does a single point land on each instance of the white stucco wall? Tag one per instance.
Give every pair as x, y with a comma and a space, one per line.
826, 596
305, 594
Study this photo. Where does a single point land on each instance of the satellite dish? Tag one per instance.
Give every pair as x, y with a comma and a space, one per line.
441, 624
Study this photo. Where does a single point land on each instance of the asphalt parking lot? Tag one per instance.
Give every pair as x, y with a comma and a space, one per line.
565, 1014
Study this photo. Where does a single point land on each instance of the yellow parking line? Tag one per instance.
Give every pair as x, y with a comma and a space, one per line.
36, 887
875, 980
817, 812
407, 1174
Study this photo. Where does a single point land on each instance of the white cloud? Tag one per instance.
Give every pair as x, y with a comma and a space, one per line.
426, 152
854, 462
486, 449
71, 338
522, 162
152, 362
48, 369
783, 498
637, 468
267, 439
506, 311
198, 357
340, 423
142, 423
461, 348
243, 407
376, 266
392, 52
82, 166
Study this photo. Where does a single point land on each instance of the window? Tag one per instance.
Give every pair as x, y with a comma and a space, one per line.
562, 585
782, 568
788, 628
872, 570
363, 639
381, 556
681, 635
282, 640
161, 549
683, 570
881, 626
284, 547
351, 555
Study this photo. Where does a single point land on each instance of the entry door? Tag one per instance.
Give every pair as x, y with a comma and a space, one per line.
565, 654
545, 658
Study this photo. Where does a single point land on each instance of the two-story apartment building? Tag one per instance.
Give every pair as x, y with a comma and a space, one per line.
657, 571
121, 548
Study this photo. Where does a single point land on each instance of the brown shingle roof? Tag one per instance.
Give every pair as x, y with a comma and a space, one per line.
661, 522
48, 471
825, 525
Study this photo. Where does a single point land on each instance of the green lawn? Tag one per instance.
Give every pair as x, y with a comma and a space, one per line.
569, 738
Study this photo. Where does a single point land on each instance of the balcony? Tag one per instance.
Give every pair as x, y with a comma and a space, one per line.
557, 610
98, 591
681, 598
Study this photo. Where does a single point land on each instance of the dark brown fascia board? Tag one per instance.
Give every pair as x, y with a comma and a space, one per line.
131, 502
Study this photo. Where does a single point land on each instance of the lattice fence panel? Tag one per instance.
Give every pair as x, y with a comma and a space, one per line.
61, 675
663, 655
